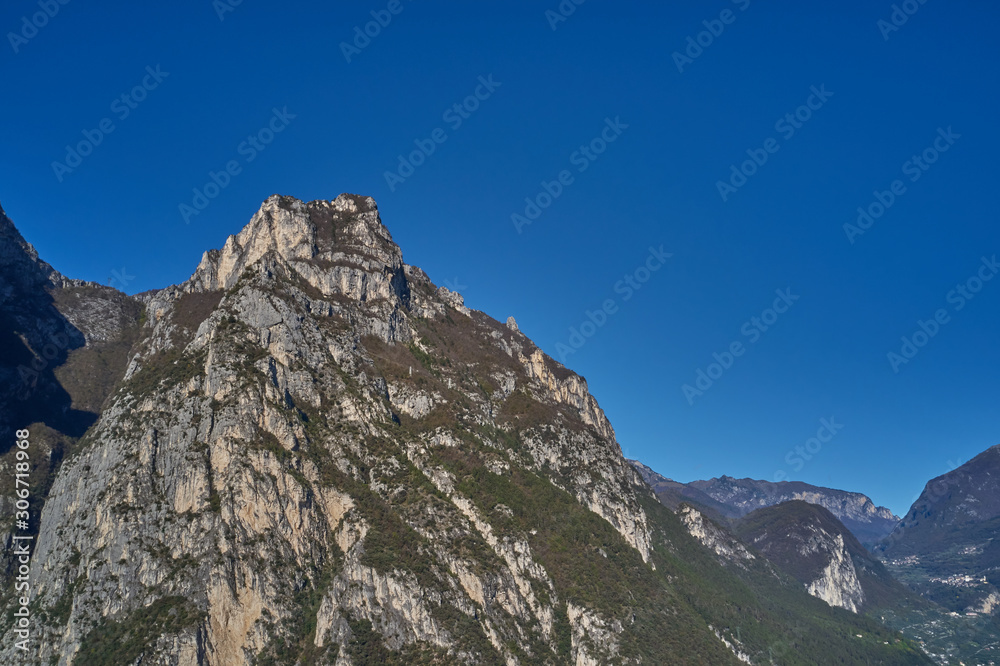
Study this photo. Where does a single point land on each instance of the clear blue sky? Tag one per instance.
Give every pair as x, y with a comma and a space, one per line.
655, 184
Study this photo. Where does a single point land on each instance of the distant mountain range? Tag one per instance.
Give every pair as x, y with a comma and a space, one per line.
933, 574
733, 498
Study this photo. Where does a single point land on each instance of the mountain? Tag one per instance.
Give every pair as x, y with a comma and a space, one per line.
810, 543
946, 546
857, 512
727, 498
804, 540
312, 454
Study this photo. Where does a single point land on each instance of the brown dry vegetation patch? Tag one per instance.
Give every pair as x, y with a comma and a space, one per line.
190, 310
322, 218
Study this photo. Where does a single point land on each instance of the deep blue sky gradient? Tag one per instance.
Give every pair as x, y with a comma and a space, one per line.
655, 185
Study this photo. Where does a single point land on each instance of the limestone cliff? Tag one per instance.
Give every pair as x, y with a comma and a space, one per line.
281, 405
811, 544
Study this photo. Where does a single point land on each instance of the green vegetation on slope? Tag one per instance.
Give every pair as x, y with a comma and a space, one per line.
124, 641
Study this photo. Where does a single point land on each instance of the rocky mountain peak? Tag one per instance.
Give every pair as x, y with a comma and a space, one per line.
310, 237
966, 495
295, 403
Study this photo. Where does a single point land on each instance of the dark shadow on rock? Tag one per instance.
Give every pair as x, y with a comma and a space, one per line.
35, 340
29, 357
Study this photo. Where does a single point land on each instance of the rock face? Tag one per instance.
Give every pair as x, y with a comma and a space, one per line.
294, 423
36, 336
809, 542
946, 546
311, 454
710, 535
838, 583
